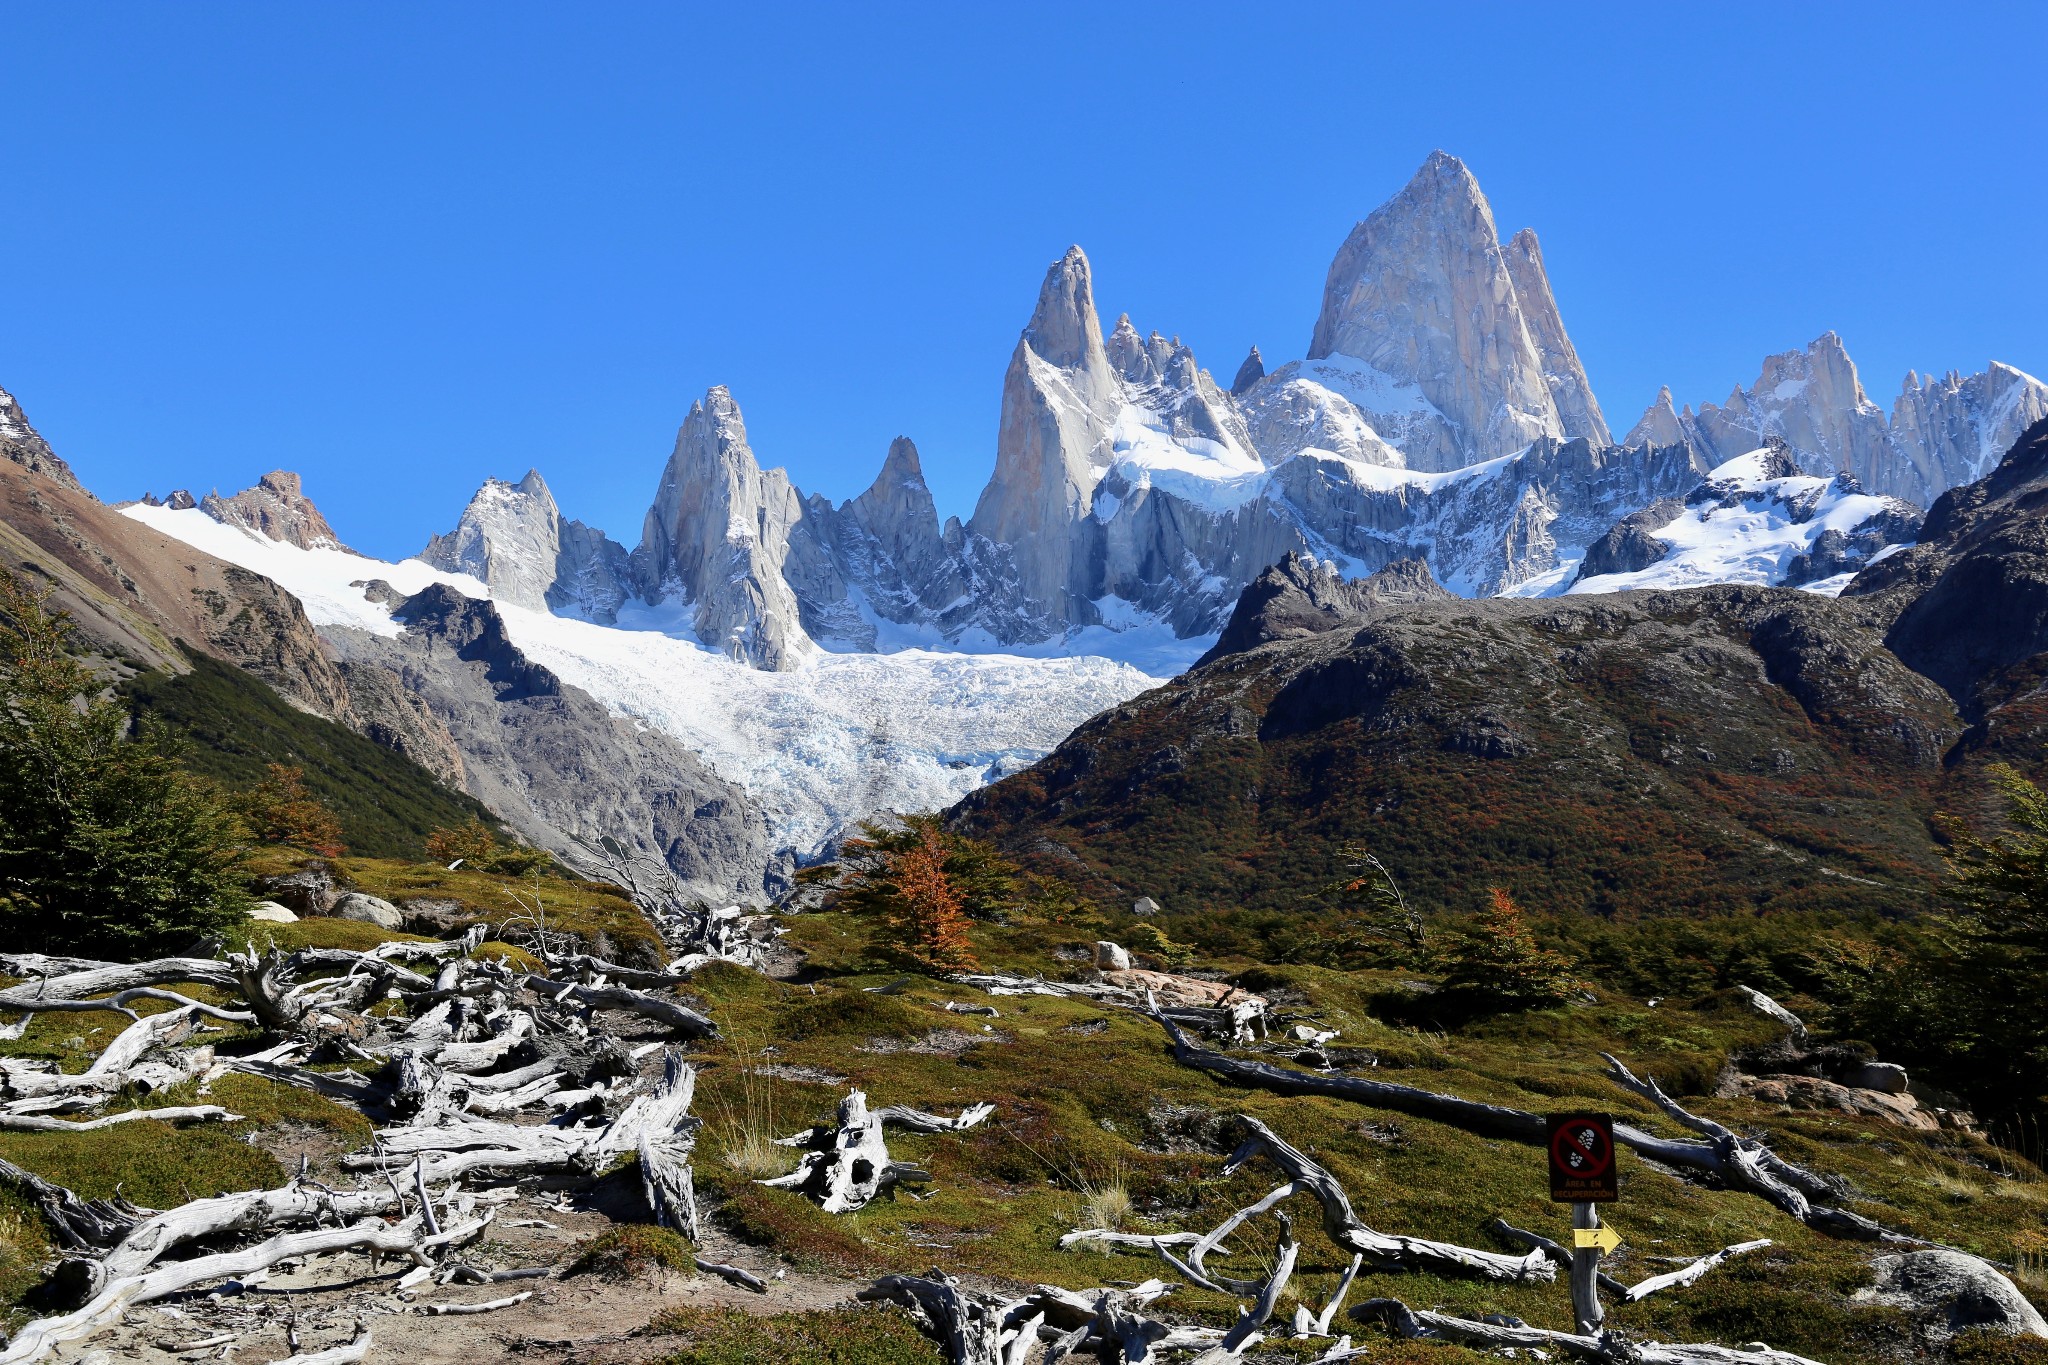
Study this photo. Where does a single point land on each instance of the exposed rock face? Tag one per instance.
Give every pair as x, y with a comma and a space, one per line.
143, 598
1422, 292
1577, 410
553, 762
717, 538
1248, 374
1951, 1292
1942, 432
514, 538
1631, 545
22, 444
276, 507
1302, 596
1971, 599
1060, 395
1963, 427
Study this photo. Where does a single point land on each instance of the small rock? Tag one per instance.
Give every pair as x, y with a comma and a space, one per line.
1888, 1077
1144, 905
270, 912
1111, 957
368, 909
1956, 1292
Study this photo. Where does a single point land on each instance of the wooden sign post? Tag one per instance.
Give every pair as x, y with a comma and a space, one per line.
1582, 1174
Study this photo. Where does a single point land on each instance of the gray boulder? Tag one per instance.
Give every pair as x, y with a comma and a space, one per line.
369, 910
1887, 1077
1953, 1292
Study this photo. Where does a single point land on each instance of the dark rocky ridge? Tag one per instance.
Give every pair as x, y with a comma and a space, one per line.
1715, 749
1302, 596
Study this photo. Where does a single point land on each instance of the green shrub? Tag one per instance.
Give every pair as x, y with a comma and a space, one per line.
834, 1336
107, 847
630, 1251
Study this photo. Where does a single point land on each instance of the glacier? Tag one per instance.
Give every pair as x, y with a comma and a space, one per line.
834, 740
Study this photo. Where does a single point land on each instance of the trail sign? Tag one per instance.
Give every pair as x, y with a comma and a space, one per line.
1582, 1159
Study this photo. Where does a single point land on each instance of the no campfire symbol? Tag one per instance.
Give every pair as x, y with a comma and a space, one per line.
1582, 1159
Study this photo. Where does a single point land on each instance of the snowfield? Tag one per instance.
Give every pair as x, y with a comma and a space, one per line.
1751, 533
839, 739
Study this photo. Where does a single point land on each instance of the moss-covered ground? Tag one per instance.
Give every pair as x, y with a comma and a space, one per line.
1090, 1100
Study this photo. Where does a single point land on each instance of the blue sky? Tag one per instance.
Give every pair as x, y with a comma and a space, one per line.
401, 248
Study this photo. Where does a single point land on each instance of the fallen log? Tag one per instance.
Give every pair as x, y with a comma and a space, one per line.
684, 1020
1382, 1250
1608, 1348
1680, 1278
184, 1113
1740, 1163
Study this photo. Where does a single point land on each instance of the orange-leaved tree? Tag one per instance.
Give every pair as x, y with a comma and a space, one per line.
279, 810
928, 919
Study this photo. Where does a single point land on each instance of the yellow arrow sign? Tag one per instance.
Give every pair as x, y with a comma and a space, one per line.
1605, 1238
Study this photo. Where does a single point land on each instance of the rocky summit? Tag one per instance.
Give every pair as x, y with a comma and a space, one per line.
1439, 411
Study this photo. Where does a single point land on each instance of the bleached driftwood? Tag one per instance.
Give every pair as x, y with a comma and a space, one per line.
682, 1019
462, 1309
68, 983
1608, 1348
1555, 1251
848, 1164
356, 1351
1741, 1163
80, 1224
185, 1113
967, 1325
1686, 1275
745, 1279
43, 1335
1744, 1163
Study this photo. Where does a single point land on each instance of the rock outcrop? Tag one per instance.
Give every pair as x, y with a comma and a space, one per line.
515, 539
21, 444
1303, 596
1950, 1292
1969, 603
276, 507
1422, 291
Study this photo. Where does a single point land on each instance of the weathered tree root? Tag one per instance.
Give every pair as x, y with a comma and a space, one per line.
848, 1164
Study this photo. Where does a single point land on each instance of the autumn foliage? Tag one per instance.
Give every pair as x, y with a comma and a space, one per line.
279, 810
929, 925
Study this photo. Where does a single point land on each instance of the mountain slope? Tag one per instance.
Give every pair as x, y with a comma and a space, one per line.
1722, 749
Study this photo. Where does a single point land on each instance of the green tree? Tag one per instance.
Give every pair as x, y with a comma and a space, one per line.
1497, 964
1966, 1001
106, 846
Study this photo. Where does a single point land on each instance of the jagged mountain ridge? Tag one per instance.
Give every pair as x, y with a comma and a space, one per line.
1441, 411
1941, 432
